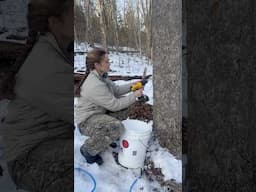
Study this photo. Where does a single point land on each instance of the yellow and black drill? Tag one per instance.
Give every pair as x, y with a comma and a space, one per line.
140, 84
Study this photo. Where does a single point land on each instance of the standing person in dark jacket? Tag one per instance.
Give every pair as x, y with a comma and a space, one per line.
38, 128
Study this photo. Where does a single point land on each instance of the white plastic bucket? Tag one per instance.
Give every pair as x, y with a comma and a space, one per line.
133, 143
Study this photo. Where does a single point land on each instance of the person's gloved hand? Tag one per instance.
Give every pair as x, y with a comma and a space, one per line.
138, 93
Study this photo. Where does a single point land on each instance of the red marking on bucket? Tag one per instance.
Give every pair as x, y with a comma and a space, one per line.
125, 143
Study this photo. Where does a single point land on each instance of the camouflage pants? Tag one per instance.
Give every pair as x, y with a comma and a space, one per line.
47, 168
102, 130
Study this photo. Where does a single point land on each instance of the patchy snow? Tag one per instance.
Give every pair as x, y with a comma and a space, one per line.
111, 177
13, 20
170, 166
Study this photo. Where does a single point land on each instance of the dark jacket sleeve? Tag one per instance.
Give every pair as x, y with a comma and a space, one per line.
47, 83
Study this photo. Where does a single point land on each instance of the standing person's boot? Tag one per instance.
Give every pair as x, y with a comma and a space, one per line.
90, 158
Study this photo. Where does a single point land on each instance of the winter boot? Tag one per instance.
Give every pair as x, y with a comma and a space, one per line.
91, 159
113, 145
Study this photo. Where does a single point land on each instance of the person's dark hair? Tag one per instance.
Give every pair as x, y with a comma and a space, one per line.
38, 13
94, 56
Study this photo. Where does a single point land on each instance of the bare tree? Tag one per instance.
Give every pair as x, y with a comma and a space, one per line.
101, 13
221, 92
80, 25
139, 25
167, 62
100, 21
114, 19
88, 18
146, 10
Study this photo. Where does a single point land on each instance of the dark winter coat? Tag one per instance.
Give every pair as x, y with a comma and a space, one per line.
43, 107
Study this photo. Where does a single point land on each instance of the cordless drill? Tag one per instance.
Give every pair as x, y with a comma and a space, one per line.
138, 85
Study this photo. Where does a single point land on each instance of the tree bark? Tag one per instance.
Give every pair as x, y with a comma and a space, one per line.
167, 62
102, 22
89, 29
139, 26
221, 48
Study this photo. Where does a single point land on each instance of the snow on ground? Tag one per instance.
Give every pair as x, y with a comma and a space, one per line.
111, 177
170, 166
13, 20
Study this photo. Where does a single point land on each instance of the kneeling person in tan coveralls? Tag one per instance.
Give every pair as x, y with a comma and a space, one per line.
101, 106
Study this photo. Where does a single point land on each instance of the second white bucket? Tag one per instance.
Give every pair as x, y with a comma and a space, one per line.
134, 143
